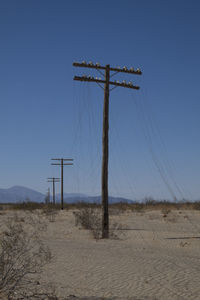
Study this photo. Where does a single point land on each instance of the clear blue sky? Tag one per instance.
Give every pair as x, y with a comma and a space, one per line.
154, 132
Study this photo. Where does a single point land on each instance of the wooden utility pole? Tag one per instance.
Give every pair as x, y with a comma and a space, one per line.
105, 145
53, 180
47, 198
62, 164
106, 81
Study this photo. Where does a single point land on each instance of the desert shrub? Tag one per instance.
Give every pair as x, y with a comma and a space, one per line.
197, 205
33, 221
27, 205
2, 212
139, 207
50, 211
149, 201
165, 211
22, 258
89, 218
120, 207
115, 211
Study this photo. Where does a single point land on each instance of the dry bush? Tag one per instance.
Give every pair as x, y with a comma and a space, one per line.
197, 205
22, 258
139, 208
2, 211
120, 207
33, 221
149, 201
89, 218
27, 205
50, 211
165, 211
81, 205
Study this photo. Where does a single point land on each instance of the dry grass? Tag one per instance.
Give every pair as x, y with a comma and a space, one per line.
156, 205
147, 204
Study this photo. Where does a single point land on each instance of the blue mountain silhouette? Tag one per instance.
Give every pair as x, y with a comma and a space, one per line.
22, 194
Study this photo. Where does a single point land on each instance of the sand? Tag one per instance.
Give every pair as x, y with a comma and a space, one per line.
155, 257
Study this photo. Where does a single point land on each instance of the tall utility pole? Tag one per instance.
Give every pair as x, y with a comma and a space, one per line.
106, 81
53, 180
62, 160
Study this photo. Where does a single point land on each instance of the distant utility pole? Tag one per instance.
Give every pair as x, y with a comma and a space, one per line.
62, 164
53, 180
106, 81
47, 198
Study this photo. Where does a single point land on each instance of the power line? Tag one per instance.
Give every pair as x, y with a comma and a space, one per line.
53, 180
106, 81
62, 164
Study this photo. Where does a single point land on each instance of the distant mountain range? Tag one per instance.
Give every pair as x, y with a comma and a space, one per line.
21, 194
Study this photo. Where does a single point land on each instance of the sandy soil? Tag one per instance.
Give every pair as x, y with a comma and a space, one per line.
155, 257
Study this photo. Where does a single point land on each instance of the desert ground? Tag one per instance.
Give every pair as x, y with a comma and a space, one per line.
151, 255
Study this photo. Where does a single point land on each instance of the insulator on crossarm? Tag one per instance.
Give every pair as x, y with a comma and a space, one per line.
97, 64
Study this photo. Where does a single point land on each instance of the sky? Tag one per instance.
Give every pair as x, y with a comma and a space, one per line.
154, 143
